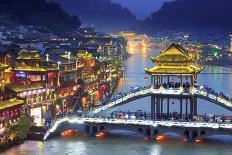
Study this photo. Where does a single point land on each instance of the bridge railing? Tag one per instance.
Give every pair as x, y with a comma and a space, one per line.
151, 90
123, 98
223, 100
130, 95
155, 123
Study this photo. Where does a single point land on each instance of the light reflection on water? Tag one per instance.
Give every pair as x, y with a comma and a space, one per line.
123, 146
118, 146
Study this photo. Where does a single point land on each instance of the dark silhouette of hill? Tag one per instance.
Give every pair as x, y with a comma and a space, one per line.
37, 13
191, 15
102, 14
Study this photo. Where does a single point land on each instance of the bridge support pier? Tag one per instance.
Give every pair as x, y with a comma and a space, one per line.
191, 107
168, 107
157, 107
181, 102
161, 102
186, 109
153, 107
195, 106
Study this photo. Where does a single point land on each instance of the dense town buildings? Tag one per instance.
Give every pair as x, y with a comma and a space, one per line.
43, 74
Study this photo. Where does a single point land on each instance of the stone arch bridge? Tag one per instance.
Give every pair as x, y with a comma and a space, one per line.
90, 126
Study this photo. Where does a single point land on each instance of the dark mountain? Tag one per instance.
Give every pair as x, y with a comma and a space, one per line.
37, 13
102, 14
191, 15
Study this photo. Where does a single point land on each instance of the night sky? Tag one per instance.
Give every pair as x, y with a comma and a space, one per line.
142, 8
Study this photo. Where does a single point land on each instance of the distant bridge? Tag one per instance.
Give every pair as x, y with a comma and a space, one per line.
150, 128
172, 92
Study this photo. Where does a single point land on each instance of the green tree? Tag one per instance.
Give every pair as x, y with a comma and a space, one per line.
19, 130
115, 63
6, 134
22, 127
59, 102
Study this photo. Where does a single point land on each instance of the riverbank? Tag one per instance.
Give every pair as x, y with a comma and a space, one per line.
6, 146
223, 63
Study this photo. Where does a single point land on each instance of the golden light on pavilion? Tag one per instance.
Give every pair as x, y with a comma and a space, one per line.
174, 60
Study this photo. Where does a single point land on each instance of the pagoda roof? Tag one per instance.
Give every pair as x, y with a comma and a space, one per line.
35, 69
174, 53
85, 55
3, 66
29, 55
21, 88
10, 103
175, 70
175, 60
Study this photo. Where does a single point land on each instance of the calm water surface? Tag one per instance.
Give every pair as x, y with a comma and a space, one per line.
134, 145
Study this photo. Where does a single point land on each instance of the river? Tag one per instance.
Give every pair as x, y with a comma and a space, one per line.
130, 144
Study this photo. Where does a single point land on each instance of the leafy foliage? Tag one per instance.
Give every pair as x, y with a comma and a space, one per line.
191, 15
37, 13
102, 13
18, 131
22, 127
115, 63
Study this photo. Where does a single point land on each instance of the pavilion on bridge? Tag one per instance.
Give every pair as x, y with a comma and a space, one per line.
175, 69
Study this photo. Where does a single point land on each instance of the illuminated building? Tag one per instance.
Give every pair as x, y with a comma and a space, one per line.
2, 79
34, 81
174, 69
86, 64
230, 49
102, 45
10, 111
5, 72
67, 74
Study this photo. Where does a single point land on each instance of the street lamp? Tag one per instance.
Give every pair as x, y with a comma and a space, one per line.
47, 57
58, 63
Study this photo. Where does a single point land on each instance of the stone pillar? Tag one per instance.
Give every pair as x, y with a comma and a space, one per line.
181, 103
191, 107
154, 80
168, 107
186, 108
151, 80
152, 107
192, 80
195, 106
161, 102
157, 107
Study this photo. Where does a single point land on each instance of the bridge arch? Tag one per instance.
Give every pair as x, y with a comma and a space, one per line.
87, 129
186, 133
148, 132
140, 130
194, 134
94, 130
101, 128
148, 91
155, 132
202, 133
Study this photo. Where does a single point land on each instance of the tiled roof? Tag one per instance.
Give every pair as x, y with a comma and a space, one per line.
10, 103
